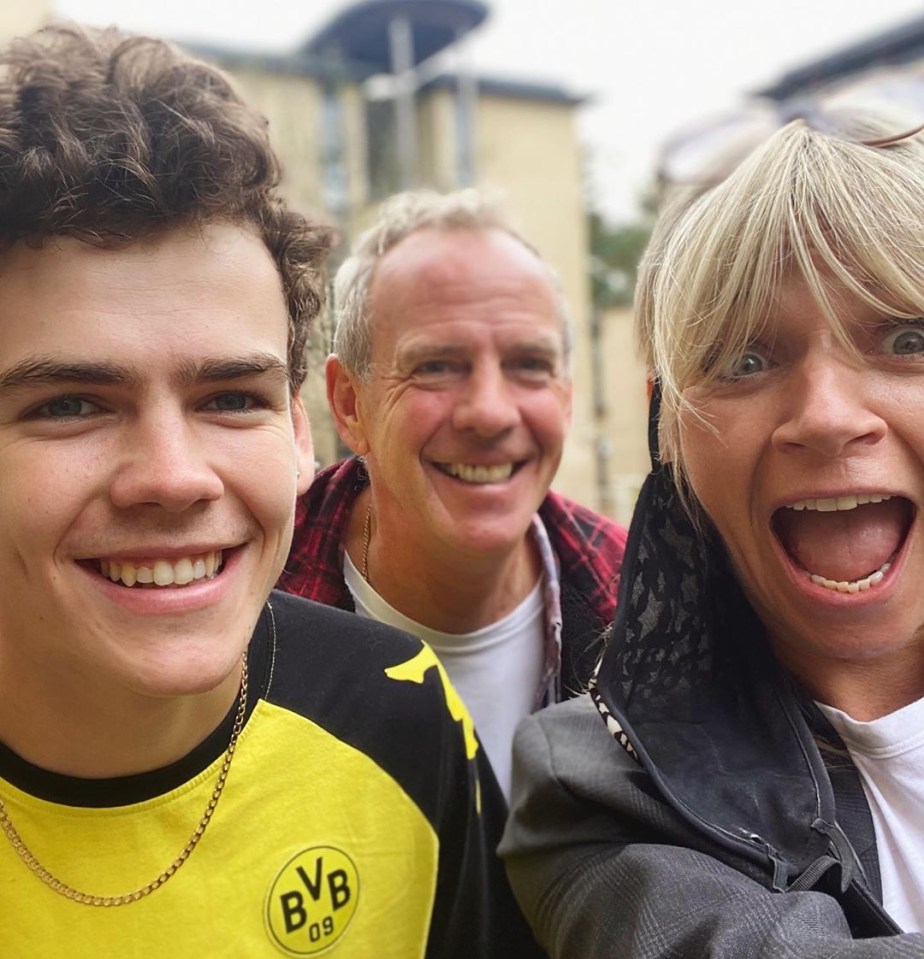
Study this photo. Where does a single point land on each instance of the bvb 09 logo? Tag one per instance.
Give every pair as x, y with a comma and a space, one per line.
312, 900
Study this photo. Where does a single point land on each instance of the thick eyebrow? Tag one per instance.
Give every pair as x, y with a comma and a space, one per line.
216, 369
546, 345
48, 372
416, 352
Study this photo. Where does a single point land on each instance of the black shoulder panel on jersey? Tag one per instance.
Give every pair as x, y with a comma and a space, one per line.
329, 666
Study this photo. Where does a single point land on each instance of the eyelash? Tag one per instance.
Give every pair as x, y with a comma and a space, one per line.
256, 401
895, 329
43, 410
532, 364
434, 367
891, 330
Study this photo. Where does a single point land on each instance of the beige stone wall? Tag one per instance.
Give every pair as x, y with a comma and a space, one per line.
530, 150
293, 105
437, 136
622, 424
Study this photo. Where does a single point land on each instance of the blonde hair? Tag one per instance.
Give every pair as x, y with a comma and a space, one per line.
826, 208
399, 216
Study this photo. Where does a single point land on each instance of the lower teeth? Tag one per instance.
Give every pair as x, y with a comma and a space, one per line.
856, 586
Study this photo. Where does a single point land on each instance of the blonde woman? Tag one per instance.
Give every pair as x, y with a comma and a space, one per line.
744, 780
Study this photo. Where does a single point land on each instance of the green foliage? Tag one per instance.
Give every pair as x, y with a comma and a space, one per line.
615, 251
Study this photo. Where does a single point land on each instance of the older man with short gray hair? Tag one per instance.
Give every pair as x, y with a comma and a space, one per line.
450, 381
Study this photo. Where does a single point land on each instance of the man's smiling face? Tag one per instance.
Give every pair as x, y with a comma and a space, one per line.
463, 420
144, 405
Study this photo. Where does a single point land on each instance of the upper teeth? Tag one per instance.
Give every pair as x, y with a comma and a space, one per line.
480, 474
831, 504
163, 572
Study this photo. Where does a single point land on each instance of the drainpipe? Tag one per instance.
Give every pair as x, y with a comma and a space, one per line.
401, 46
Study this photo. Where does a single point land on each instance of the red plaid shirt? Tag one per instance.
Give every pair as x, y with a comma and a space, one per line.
587, 548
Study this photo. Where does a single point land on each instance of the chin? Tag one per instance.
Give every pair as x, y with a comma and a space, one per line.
185, 675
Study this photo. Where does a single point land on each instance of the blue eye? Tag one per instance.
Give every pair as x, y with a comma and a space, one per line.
437, 373
433, 367
745, 364
66, 407
535, 365
905, 340
233, 402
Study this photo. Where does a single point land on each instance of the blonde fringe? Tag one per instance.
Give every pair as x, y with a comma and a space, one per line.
837, 214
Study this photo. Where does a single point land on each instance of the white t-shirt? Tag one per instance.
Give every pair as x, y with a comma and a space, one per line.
889, 753
496, 670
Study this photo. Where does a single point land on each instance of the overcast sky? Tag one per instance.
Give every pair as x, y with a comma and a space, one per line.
648, 66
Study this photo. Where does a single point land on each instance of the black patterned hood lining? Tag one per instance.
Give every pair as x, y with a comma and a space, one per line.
695, 692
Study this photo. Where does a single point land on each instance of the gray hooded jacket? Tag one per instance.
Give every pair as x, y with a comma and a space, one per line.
696, 803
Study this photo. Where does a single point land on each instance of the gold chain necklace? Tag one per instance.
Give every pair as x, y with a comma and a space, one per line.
87, 899
367, 535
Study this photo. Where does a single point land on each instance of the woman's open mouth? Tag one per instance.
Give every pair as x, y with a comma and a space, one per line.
845, 543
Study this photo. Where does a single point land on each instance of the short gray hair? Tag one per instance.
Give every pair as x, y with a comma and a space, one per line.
399, 216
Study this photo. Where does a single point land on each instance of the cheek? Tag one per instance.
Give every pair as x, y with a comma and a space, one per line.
416, 417
548, 416
722, 471
274, 517
49, 489
38, 524
263, 477
711, 467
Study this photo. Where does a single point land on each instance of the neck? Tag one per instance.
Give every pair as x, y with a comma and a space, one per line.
123, 736
442, 589
865, 689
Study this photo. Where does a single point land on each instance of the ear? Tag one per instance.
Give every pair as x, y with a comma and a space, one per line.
343, 389
304, 447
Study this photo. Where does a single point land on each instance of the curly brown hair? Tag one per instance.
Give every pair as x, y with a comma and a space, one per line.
108, 137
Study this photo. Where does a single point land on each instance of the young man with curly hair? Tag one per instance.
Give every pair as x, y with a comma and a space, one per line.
190, 764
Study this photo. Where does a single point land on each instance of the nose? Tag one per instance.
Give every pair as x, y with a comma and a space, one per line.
488, 405
828, 410
164, 463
